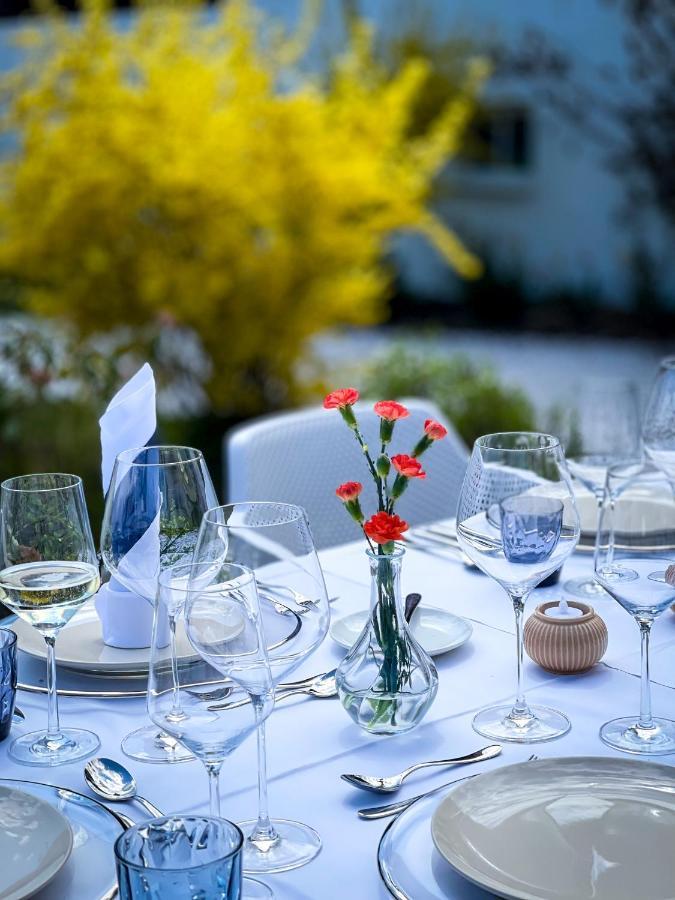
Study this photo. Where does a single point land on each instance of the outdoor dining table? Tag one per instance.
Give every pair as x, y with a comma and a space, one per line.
312, 741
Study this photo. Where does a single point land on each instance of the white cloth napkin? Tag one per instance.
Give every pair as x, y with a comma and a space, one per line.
129, 421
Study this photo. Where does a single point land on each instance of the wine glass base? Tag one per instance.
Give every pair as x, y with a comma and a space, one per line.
255, 890
584, 589
297, 845
147, 745
36, 748
625, 734
544, 724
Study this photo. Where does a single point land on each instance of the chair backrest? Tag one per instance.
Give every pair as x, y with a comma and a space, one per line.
302, 456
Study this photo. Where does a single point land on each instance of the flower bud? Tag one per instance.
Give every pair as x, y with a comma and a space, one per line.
383, 465
400, 484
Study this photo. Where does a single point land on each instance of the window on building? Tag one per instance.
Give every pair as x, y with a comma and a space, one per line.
499, 137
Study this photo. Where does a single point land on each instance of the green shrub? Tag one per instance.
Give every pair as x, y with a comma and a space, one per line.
470, 395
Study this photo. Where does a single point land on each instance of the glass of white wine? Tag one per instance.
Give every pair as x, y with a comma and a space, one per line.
49, 569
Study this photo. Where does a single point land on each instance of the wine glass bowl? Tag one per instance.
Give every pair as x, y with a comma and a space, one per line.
658, 427
607, 433
153, 512
517, 521
634, 560
275, 542
49, 569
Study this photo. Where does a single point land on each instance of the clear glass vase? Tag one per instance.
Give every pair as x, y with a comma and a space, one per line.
387, 682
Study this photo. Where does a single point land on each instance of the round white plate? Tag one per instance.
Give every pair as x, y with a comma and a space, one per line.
435, 629
89, 871
80, 646
585, 828
35, 842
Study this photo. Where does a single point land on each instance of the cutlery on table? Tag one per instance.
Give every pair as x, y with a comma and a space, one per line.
18, 714
115, 783
322, 686
389, 783
393, 809
303, 602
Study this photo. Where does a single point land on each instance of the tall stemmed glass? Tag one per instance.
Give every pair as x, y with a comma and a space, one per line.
608, 432
274, 541
215, 608
634, 562
518, 522
658, 427
153, 511
49, 569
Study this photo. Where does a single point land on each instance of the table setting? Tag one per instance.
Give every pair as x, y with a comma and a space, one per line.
206, 668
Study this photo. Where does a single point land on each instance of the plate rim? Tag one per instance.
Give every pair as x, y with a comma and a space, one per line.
50, 872
96, 803
424, 606
494, 887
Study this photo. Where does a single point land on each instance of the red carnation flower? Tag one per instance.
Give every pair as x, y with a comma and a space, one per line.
341, 398
434, 430
408, 466
390, 410
350, 490
385, 527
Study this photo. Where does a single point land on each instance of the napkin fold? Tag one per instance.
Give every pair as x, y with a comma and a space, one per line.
130, 421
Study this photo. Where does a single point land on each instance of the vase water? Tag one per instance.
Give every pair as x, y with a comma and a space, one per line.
387, 681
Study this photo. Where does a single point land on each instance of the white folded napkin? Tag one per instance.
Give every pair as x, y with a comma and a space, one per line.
130, 421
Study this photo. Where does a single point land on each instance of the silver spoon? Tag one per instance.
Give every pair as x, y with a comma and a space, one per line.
389, 784
113, 782
393, 809
322, 686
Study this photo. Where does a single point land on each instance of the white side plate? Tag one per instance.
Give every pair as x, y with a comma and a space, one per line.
437, 630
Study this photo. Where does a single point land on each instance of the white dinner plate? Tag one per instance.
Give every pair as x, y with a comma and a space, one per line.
35, 842
89, 871
584, 828
80, 646
437, 630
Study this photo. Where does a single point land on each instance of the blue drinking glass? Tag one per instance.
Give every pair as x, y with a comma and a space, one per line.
177, 857
7, 680
530, 527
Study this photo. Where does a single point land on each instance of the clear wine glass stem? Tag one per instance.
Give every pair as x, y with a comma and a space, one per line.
53, 727
646, 720
520, 707
176, 714
213, 771
263, 833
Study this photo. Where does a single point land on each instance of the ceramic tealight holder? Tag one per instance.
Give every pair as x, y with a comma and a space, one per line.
565, 638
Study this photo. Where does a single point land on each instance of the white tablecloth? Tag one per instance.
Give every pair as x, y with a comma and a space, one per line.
312, 741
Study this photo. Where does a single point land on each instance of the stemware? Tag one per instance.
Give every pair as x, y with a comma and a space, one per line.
517, 521
274, 541
153, 511
217, 607
658, 427
49, 569
634, 561
607, 432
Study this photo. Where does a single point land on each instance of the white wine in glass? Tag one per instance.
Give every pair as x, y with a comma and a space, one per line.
49, 569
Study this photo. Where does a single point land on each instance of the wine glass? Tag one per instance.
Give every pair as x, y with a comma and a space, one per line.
634, 561
517, 521
274, 541
607, 432
49, 569
153, 511
213, 698
658, 428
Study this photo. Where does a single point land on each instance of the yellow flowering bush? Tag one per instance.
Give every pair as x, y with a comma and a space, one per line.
182, 168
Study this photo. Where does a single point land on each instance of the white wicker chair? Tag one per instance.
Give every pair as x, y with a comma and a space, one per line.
302, 456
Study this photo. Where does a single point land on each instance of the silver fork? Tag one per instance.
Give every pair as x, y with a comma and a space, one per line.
305, 603
393, 809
